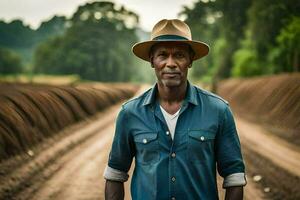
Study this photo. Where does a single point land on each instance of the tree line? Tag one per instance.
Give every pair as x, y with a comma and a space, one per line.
94, 43
18, 42
247, 37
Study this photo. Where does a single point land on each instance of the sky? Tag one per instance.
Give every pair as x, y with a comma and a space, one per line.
33, 12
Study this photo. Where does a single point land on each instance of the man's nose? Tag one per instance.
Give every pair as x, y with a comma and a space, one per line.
171, 62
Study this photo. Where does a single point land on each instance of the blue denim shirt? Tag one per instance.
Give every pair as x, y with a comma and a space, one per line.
205, 140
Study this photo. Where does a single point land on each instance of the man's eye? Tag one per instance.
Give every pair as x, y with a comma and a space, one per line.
180, 55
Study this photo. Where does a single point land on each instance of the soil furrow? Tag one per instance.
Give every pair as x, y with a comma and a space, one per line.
13, 183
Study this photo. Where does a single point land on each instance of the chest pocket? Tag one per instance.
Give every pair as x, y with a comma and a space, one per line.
200, 146
147, 147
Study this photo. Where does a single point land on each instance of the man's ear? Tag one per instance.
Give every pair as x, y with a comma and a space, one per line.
151, 61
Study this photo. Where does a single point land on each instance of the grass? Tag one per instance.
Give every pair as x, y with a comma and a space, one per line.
41, 78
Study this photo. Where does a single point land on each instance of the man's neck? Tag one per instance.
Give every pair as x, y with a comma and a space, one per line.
170, 98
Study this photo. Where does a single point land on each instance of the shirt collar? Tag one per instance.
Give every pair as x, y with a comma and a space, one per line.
191, 95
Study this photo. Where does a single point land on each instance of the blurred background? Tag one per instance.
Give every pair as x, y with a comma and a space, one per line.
63, 63
93, 39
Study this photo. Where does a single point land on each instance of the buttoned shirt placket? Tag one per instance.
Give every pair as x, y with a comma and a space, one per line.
171, 144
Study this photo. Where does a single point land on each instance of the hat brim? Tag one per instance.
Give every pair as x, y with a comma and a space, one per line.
142, 49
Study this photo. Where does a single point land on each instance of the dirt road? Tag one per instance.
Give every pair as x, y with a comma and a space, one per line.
271, 162
72, 166
282, 153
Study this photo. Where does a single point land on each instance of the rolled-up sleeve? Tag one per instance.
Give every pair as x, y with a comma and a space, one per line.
115, 175
236, 179
230, 162
122, 151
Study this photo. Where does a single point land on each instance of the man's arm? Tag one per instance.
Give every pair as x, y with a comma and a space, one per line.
234, 193
120, 159
229, 158
114, 190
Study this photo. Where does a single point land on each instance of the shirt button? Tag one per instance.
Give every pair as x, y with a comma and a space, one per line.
202, 138
167, 133
173, 179
173, 155
144, 141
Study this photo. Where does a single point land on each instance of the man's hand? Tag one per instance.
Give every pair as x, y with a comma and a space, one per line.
234, 193
114, 190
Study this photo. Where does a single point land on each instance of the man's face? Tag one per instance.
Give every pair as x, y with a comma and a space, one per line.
171, 62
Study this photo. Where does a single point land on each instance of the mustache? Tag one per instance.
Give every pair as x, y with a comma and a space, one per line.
171, 71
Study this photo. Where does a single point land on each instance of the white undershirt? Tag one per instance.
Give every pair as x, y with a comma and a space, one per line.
171, 120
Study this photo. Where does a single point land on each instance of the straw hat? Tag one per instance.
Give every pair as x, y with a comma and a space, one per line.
172, 30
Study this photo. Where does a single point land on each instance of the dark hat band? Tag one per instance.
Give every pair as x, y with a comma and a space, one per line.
169, 37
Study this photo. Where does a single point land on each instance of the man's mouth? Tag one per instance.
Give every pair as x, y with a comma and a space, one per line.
171, 74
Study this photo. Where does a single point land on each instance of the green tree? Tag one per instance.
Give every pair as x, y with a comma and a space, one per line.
48, 55
15, 34
287, 52
95, 46
218, 23
232, 25
247, 37
22, 39
10, 62
51, 28
266, 20
264, 49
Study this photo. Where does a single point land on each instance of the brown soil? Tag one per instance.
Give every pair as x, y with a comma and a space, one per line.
280, 152
266, 155
31, 113
60, 160
282, 184
270, 136
272, 101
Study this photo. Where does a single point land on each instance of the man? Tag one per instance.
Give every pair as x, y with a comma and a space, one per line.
179, 135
